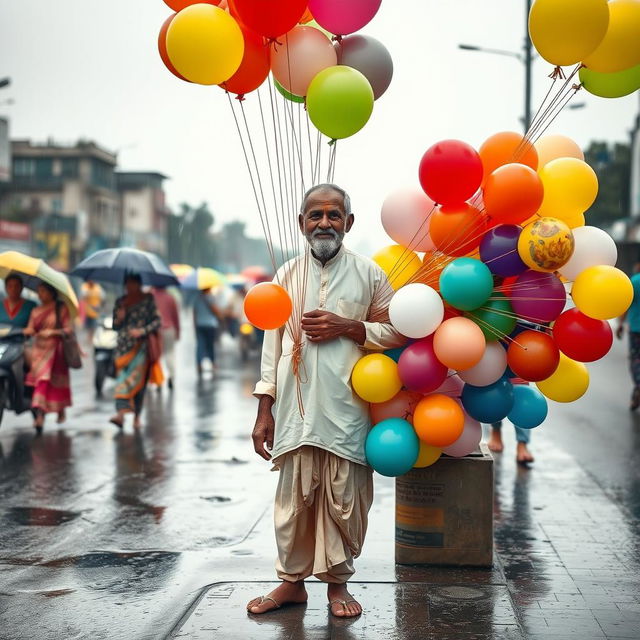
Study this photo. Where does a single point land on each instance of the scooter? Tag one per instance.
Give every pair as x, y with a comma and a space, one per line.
14, 395
105, 340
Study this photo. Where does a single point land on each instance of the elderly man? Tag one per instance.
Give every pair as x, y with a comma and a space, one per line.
325, 488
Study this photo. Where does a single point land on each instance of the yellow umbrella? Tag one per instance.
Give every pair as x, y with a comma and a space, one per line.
203, 278
34, 271
181, 271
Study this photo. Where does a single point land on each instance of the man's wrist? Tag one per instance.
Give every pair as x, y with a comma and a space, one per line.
356, 331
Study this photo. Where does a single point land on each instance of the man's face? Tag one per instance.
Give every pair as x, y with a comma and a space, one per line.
13, 287
324, 222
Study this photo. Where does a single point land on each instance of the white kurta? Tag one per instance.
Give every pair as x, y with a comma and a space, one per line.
335, 419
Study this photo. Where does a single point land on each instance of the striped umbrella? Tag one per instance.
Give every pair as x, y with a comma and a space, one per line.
203, 278
34, 271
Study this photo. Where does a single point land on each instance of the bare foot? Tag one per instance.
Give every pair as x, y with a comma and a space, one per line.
137, 423
341, 602
286, 593
62, 417
495, 441
523, 455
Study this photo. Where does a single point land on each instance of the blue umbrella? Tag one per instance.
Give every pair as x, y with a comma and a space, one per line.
111, 265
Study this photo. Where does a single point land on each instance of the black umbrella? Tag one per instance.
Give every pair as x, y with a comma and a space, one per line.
111, 265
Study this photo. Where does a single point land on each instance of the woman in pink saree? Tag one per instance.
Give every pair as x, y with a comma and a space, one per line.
49, 373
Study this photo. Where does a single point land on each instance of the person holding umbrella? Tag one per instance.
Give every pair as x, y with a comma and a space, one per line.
49, 372
135, 318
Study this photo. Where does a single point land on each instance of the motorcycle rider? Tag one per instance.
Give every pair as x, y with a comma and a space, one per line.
15, 309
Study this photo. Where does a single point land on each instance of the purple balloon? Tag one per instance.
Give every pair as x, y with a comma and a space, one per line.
499, 250
538, 297
419, 368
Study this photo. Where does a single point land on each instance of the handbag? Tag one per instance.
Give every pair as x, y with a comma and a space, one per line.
154, 347
70, 346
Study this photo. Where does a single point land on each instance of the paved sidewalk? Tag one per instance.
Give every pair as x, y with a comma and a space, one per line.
566, 567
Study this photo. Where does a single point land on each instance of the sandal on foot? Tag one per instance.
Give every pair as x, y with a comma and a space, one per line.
262, 600
343, 604
117, 422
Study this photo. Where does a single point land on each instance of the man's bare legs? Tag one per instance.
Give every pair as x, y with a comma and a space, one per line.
285, 593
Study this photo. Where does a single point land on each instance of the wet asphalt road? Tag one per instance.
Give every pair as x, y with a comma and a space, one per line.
113, 535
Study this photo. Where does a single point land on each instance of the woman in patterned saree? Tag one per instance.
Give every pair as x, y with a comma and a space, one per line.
49, 373
135, 316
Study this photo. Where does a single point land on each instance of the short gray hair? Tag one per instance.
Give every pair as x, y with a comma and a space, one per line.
334, 187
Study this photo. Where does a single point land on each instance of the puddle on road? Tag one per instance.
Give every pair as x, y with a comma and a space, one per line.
40, 516
216, 498
99, 559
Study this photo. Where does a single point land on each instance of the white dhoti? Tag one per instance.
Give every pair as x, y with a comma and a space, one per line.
321, 514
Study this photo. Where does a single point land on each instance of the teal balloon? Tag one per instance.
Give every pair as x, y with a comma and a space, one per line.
466, 283
529, 407
611, 85
339, 101
392, 447
394, 354
287, 94
496, 318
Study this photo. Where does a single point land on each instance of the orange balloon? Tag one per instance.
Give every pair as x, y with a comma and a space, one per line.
402, 405
254, 68
457, 230
504, 148
267, 306
307, 16
459, 343
512, 193
438, 420
162, 47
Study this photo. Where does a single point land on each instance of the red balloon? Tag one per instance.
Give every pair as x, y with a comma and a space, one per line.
269, 18
533, 356
419, 368
254, 68
179, 5
450, 172
162, 47
582, 338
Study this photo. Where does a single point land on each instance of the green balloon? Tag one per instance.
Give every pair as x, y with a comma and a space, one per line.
287, 94
339, 101
611, 85
496, 318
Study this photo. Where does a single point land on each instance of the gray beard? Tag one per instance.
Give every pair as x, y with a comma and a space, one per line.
325, 248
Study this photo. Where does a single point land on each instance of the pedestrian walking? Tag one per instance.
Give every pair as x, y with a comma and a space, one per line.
523, 438
325, 487
206, 319
136, 319
15, 309
170, 329
632, 318
49, 372
93, 298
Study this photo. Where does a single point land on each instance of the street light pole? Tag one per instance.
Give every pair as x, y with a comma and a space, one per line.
528, 58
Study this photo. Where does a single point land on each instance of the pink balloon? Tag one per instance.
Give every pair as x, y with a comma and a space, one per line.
452, 386
401, 405
406, 215
490, 369
343, 16
469, 440
419, 368
304, 53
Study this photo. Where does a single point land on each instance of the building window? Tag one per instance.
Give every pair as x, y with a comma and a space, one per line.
44, 167
56, 205
102, 174
70, 167
23, 167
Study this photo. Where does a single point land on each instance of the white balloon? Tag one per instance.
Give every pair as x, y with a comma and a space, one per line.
593, 247
469, 440
405, 217
416, 310
489, 369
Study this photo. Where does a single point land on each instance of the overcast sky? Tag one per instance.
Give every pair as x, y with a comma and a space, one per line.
90, 68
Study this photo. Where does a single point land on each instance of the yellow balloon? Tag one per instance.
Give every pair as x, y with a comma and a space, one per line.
546, 244
556, 146
427, 456
602, 292
566, 31
570, 185
205, 44
399, 263
569, 382
575, 221
375, 378
620, 48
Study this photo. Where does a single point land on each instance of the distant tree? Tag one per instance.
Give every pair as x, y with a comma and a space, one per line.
190, 238
612, 164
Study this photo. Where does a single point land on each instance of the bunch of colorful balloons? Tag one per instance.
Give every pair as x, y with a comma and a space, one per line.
604, 37
236, 44
485, 307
